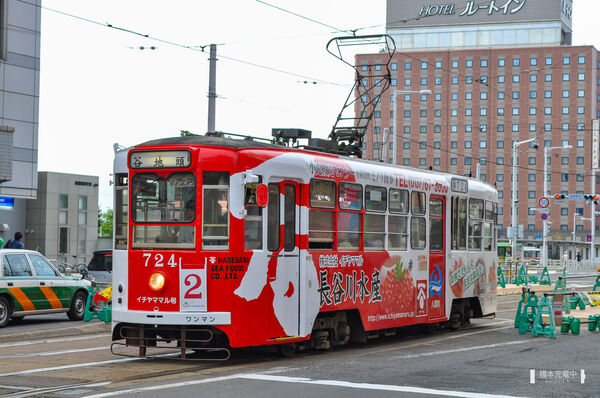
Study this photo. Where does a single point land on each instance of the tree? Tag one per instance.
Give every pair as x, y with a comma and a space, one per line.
105, 222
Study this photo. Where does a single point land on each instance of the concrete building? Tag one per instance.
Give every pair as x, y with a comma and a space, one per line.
499, 71
19, 104
63, 221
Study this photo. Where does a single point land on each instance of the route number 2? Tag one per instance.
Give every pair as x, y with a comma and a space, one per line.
192, 290
158, 260
196, 287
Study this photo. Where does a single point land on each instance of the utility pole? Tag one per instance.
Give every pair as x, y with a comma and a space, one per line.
212, 88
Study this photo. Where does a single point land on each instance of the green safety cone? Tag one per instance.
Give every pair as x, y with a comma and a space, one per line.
575, 326
520, 307
545, 279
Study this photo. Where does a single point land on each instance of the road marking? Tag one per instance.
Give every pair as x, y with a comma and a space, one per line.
57, 340
44, 390
369, 386
442, 352
164, 386
48, 353
73, 366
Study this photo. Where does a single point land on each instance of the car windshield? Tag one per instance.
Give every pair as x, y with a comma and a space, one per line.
164, 200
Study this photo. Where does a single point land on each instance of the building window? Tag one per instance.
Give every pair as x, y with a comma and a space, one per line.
580, 160
500, 160
566, 77
531, 177
533, 94
437, 144
500, 95
424, 65
581, 110
501, 62
501, 79
531, 194
515, 111
454, 128
406, 145
581, 94
483, 112
516, 61
564, 177
500, 144
566, 60
565, 110
532, 160
394, 66
548, 61
422, 161
436, 127
499, 177
454, 64
515, 128
406, 129
548, 94
565, 127
533, 61
532, 110
581, 77
469, 63
63, 240
453, 144
548, 110
500, 111
500, 128
482, 144
533, 78
580, 126
423, 81
581, 59
454, 112
516, 78
580, 143
423, 129
484, 63
406, 161
453, 161
548, 77
467, 144
515, 94
468, 128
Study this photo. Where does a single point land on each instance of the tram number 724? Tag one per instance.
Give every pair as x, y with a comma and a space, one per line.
158, 260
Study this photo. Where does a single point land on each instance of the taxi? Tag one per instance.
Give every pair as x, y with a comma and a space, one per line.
31, 285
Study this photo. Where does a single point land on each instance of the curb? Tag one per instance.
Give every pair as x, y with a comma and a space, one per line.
92, 328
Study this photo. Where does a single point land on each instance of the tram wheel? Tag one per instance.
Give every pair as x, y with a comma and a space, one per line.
287, 350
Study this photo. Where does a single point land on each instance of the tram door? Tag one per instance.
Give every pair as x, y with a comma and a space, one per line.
437, 255
283, 235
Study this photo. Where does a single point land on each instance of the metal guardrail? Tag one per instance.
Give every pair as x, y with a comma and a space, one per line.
569, 265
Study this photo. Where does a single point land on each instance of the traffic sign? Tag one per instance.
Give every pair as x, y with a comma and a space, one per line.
576, 196
544, 216
538, 236
544, 202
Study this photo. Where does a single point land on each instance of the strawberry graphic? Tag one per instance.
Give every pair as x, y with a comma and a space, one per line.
398, 290
457, 288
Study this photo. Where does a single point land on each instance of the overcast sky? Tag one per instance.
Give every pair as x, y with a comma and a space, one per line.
98, 88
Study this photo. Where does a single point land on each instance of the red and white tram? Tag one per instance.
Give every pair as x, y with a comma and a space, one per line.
225, 243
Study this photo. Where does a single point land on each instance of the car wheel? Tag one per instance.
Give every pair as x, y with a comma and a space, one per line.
77, 306
5, 311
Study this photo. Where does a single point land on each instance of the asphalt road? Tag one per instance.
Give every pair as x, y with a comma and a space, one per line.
56, 358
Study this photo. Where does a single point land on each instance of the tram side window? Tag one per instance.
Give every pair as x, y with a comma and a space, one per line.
273, 215
476, 211
348, 223
488, 227
436, 225
289, 222
398, 224
215, 201
321, 222
418, 225
121, 211
459, 223
253, 221
374, 224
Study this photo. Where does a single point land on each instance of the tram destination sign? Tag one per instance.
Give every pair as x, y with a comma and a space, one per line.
160, 159
459, 185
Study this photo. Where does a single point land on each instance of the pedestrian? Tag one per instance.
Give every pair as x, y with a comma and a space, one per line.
16, 243
578, 257
565, 257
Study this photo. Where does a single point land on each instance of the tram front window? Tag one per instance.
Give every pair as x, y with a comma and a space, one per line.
162, 204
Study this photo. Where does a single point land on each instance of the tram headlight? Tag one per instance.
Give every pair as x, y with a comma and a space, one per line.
157, 281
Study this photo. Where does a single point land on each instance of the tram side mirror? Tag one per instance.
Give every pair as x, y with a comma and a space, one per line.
262, 195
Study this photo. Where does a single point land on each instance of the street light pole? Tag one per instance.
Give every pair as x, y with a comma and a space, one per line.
545, 223
514, 194
395, 133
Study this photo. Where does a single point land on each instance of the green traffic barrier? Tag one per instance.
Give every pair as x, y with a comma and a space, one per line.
539, 327
572, 324
522, 277
533, 279
597, 284
577, 301
561, 287
501, 280
545, 279
529, 313
523, 300
101, 310
593, 322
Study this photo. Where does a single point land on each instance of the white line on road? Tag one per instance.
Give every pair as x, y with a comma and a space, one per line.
369, 386
73, 366
442, 352
48, 353
164, 386
60, 340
